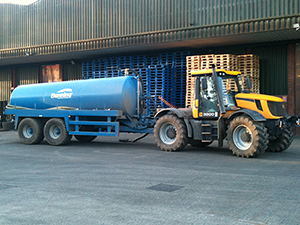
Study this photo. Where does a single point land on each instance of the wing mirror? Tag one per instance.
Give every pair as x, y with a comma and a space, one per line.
248, 83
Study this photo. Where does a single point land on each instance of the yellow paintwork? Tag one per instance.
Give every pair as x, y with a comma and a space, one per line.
244, 100
244, 104
259, 97
203, 72
196, 108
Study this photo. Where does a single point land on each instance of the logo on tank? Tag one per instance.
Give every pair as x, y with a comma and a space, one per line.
63, 94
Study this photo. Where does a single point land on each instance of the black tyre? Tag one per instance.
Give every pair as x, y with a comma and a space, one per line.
198, 143
282, 142
84, 138
31, 131
170, 133
56, 133
247, 138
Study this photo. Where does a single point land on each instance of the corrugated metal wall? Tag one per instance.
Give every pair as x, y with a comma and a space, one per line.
5, 84
297, 80
24, 75
57, 21
27, 75
72, 72
273, 69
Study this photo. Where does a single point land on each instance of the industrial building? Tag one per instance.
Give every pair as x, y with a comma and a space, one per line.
55, 40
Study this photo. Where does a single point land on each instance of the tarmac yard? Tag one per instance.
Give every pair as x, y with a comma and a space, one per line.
112, 182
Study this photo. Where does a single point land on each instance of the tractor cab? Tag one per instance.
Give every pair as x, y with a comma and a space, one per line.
214, 98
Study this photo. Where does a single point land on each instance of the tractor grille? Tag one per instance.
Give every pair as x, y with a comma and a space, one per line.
277, 108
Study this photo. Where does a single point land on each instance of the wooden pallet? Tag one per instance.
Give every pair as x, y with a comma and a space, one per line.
203, 62
249, 67
193, 62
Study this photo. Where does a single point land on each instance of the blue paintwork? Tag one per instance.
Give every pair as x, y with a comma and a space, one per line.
100, 103
73, 122
118, 93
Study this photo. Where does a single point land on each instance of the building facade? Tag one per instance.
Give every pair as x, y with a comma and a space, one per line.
51, 39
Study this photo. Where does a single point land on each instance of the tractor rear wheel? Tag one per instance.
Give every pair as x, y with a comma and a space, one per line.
247, 138
170, 133
282, 142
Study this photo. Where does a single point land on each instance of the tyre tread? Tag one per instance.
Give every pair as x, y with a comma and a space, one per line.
283, 142
259, 133
64, 139
182, 139
37, 125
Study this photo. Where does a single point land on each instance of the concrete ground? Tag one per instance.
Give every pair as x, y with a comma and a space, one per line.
111, 182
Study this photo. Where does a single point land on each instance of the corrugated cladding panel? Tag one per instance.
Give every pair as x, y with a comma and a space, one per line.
273, 69
27, 75
5, 84
57, 21
72, 72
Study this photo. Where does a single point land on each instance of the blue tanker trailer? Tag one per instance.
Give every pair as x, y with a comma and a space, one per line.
84, 108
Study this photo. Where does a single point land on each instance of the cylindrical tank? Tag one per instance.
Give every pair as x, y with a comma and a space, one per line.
118, 93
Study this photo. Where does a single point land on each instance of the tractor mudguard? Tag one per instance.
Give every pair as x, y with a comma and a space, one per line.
256, 116
180, 113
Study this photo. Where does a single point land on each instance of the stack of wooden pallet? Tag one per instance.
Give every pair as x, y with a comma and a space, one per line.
203, 62
249, 67
192, 63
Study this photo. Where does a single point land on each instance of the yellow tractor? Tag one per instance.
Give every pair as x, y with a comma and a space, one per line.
223, 108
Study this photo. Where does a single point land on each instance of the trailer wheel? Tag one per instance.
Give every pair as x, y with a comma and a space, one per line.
84, 138
56, 133
282, 142
247, 138
31, 131
170, 133
198, 143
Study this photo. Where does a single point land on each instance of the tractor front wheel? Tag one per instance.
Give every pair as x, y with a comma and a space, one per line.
282, 142
247, 138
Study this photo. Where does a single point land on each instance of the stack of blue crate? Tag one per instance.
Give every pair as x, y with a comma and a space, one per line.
160, 84
163, 75
138, 61
178, 61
